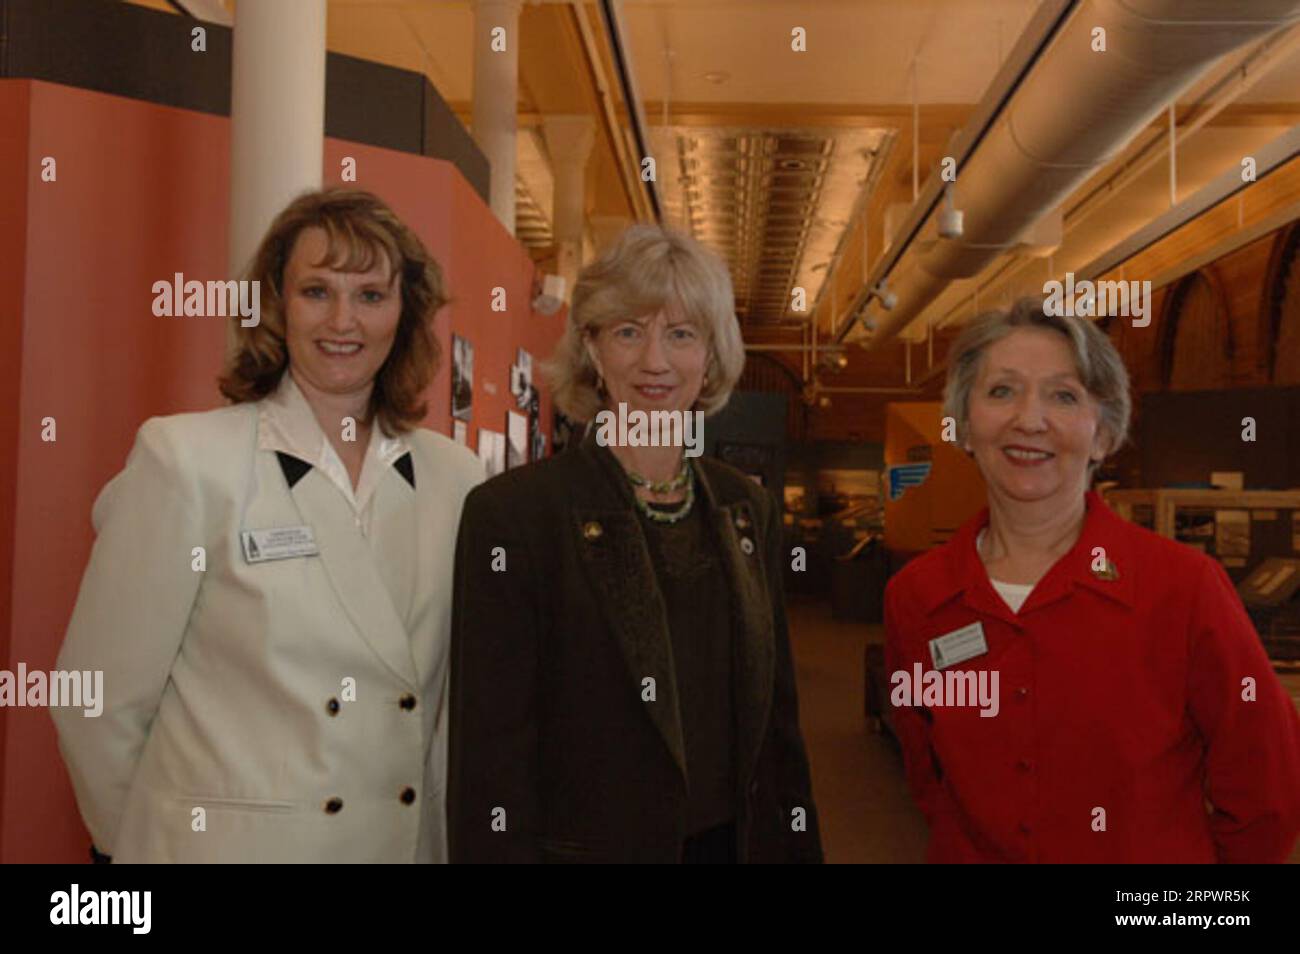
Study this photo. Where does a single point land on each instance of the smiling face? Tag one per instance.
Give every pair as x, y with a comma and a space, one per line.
1028, 398
654, 363
339, 326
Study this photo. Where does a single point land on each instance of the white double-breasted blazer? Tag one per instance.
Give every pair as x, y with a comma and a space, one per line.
290, 709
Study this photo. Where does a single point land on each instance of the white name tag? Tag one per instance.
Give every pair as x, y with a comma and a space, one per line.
958, 646
278, 543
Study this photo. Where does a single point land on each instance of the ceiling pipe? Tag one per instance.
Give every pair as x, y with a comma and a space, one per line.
629, 167
1076, 109
1033, 40
612, 14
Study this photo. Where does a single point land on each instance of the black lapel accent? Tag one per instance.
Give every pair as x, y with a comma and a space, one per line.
294, 469
406, 468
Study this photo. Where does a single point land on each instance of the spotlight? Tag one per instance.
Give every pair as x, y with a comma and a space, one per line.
550, 297
833, 360
887, 298
950, 219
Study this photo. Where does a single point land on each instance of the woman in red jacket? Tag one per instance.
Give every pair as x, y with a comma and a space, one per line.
1070, 687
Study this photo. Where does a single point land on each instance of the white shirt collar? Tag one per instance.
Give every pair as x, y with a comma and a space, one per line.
287, 424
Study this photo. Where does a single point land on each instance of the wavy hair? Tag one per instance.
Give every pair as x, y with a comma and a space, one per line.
360, 228
647, 269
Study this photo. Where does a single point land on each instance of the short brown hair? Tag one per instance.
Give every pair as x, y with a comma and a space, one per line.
1101, 369
359, 226
649, 268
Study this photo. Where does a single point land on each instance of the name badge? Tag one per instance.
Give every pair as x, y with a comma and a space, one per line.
958, 646
278, 543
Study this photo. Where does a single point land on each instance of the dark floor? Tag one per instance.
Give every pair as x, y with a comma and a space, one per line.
866, 812
863, 804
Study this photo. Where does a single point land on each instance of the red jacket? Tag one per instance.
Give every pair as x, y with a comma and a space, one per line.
1124, 695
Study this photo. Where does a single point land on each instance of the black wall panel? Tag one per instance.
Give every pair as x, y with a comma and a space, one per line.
132, 51
1184, 435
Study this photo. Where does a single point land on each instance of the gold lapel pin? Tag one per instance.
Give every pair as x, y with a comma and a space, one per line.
591, 530
1110, 573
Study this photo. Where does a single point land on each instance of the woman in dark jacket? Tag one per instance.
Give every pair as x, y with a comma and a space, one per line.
621, 684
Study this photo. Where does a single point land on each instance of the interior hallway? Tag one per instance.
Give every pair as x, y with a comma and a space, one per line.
863, 804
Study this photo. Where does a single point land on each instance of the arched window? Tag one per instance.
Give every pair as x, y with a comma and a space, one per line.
1196, 335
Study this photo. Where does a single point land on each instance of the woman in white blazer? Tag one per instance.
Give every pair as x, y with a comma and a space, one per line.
269, 592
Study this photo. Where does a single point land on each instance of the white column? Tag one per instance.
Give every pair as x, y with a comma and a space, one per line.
569, 140
277, 114
496, 92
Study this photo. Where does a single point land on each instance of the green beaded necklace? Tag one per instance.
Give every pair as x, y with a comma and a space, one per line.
683, 479
662, 486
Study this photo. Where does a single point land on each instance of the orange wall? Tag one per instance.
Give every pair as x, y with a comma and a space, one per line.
14, 177
142, 193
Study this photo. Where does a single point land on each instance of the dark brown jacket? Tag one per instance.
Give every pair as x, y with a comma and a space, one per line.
549, 735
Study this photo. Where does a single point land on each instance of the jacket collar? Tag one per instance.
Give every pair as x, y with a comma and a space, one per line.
287, 426
1100, 560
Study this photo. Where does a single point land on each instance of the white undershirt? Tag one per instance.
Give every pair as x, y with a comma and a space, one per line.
1014, 594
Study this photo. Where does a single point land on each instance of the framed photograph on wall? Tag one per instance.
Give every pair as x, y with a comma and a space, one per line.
516, 439
521, 380
498, 452
462, 378
564, 431
491, 451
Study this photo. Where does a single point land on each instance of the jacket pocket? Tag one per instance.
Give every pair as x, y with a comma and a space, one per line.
237, 804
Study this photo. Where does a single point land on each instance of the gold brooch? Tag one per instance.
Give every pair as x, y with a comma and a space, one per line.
592, 530
1110, 573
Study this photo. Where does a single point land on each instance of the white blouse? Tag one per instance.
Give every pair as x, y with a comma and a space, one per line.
1014, 594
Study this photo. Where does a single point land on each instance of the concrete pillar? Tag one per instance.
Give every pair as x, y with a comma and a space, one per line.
569, 140
496, 94
277, 114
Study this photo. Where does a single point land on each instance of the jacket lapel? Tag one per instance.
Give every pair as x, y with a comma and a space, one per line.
351, 568
613, 548
617, 558
735, 528
435, 530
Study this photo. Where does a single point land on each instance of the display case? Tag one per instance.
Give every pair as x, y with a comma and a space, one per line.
1255, 536
1239, 528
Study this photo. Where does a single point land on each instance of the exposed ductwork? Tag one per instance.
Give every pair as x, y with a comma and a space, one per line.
1076, 109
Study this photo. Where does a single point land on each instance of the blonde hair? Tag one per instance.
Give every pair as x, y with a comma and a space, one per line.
1099, 366
360, 229
647, 269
